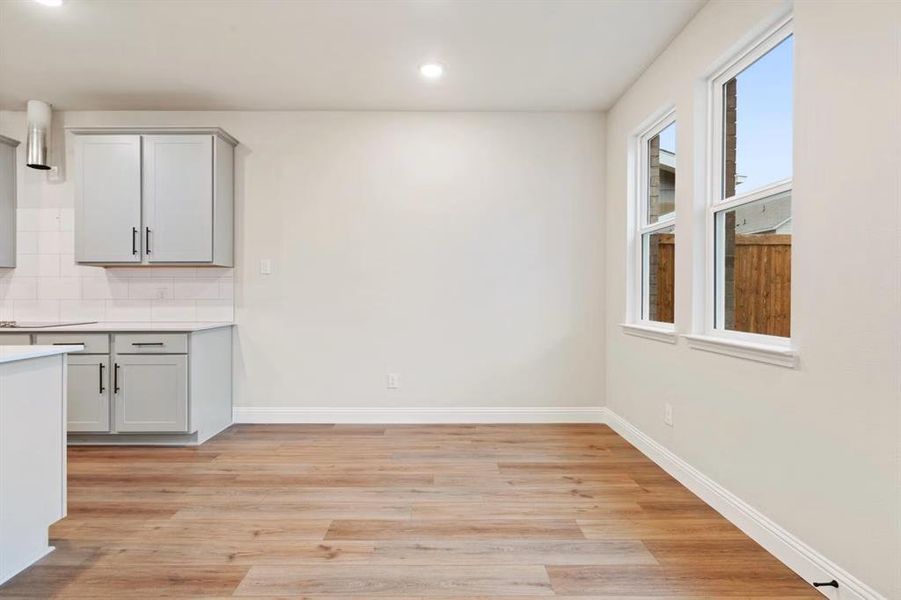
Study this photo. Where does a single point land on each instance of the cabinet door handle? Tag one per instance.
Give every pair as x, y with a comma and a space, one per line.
116, 378
147, 240
102, 389
134, 241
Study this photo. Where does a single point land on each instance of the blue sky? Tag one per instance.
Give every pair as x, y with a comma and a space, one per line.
764, 152
668, 138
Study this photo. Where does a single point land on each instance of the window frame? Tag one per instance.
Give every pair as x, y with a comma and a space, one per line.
640, 229
717, 203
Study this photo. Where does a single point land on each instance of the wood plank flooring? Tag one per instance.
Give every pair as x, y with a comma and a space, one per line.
408, 512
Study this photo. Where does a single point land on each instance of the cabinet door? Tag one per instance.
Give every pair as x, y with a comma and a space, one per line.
7, 205
88, 393
178, 198
108, 198
151, 393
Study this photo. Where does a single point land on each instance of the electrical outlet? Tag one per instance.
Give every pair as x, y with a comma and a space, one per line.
393, 381
668, 414
162, 293
266, 266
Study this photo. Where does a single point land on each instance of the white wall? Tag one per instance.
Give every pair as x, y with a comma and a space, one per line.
47, 285
463, 251
815, 449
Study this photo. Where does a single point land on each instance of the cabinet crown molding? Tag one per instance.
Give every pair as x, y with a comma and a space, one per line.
217, 131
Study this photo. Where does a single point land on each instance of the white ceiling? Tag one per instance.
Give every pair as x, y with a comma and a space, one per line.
336, 54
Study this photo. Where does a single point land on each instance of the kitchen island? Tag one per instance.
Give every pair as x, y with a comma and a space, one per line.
32, 451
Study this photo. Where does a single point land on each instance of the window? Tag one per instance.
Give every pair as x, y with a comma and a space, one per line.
751, 206
655, 237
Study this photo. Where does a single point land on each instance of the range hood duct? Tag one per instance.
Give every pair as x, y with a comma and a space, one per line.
38, 136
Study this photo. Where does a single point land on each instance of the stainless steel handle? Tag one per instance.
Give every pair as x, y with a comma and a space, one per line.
147, 344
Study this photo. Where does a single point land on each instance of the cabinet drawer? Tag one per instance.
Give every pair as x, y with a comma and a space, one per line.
15, 339
151, 343
94, 343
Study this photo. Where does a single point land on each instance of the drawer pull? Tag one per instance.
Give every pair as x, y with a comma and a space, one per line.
147, 344
68, 343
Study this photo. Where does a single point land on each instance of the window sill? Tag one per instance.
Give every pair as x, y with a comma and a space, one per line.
773, 355
651, 332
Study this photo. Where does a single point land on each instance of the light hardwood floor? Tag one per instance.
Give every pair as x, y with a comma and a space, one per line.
460, 511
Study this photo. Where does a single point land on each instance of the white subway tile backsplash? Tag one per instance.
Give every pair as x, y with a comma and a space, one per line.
101, 288
129, 272
173, 272
67, 242
150, 289
82, 310
27, 219
49, 242
173, 310
215, 310
26, 265
127, 310
196, 289
59, 288
48, 265
67, 219
19, 288
48, 219
214, 272
36, 310
26, 242
47, 284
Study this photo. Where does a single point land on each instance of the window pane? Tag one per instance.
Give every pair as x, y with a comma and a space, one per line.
659, 276
754, 266
758, 123
662, 174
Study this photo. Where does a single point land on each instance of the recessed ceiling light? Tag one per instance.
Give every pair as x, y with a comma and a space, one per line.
431, 70
50, 2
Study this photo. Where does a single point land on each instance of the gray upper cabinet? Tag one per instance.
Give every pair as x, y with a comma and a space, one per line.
7, 201
171, 192
108, 198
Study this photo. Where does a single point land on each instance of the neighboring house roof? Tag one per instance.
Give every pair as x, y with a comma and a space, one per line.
771, 216
667, 160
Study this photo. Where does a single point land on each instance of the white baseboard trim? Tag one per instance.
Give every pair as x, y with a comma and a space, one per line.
798, 556
417, 415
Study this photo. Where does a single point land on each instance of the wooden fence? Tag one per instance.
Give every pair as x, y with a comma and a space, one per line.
760, 280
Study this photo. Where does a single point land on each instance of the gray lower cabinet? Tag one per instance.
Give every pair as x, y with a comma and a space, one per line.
151, 393
88, 393
168, 388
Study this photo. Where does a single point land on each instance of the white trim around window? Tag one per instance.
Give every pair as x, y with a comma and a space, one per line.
713, 336
639, 231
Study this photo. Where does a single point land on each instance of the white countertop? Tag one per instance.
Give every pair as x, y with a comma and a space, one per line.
14, 353
123, 327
